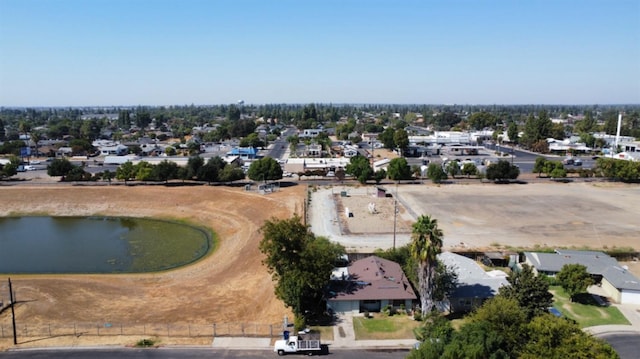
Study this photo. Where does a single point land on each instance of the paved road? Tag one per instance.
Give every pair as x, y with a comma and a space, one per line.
626, 344
186, 353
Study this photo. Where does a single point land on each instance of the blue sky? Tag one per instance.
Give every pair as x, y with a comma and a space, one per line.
170, 52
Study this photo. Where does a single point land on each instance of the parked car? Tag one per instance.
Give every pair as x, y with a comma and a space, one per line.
577, 162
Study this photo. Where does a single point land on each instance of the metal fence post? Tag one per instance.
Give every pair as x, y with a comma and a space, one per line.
214, 330
74, 330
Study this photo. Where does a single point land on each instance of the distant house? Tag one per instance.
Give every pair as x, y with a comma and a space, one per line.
64, 152
475, 285
370, 284
622, 286
310, 132
350, 151
117, 150
313, 150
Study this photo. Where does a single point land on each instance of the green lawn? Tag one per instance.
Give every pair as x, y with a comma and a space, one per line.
585, 310
384, 327
326, 332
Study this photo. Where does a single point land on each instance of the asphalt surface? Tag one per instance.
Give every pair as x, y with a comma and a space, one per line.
186, 353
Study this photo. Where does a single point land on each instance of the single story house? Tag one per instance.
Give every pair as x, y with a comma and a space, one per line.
369, 284
619, 284
310, 132
117, 150
475, 285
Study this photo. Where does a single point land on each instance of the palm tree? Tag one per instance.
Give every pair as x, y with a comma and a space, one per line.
426, 244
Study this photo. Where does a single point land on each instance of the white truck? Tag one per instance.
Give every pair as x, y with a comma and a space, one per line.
305, 343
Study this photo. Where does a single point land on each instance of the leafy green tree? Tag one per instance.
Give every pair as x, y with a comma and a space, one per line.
477, 340
537, 128
125, 171
252, 140
233, 114
208, 172
360, 168
552, 337
193, 166
435, 173
230, 173
143, 119
108, 175
530, 291
586, 125
399, 169
453, 167
299, 263
574, 278
626, 171
379, 175
554, 169
512, 132
505, 316
401, 139
387, 138
435, 332
9, 169
481, 120
143, 171
165, 170
265, 169
426, 244
539, 165
170, 151
77, 174
469, 169
212, 171
59, 167
502, 171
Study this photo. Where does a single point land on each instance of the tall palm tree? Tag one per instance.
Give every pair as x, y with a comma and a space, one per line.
426, 244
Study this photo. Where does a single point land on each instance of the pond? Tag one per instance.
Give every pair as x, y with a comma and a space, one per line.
98, 244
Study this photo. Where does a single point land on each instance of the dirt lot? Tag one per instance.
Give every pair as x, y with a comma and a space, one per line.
597, 215
230, 286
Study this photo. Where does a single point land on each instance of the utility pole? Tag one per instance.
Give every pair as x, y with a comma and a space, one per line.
13, 314
395, 216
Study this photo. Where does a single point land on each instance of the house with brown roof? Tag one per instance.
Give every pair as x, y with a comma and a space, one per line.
370, 284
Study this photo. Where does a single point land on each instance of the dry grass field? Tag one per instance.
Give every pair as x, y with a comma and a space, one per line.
229, 286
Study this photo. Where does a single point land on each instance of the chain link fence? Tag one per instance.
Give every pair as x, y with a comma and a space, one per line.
165, 330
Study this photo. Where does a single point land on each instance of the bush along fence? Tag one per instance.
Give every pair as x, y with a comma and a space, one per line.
163, 330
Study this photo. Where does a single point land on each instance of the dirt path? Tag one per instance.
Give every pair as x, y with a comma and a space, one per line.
229, 286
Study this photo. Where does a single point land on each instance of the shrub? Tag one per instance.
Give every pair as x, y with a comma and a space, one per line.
145, 343
299, 323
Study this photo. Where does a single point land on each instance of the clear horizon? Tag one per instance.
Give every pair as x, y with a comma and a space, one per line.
117, 53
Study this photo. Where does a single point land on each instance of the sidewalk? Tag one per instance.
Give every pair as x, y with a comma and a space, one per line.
343, 337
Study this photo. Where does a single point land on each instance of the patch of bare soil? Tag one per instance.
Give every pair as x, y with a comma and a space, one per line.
229, 286
370, 214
